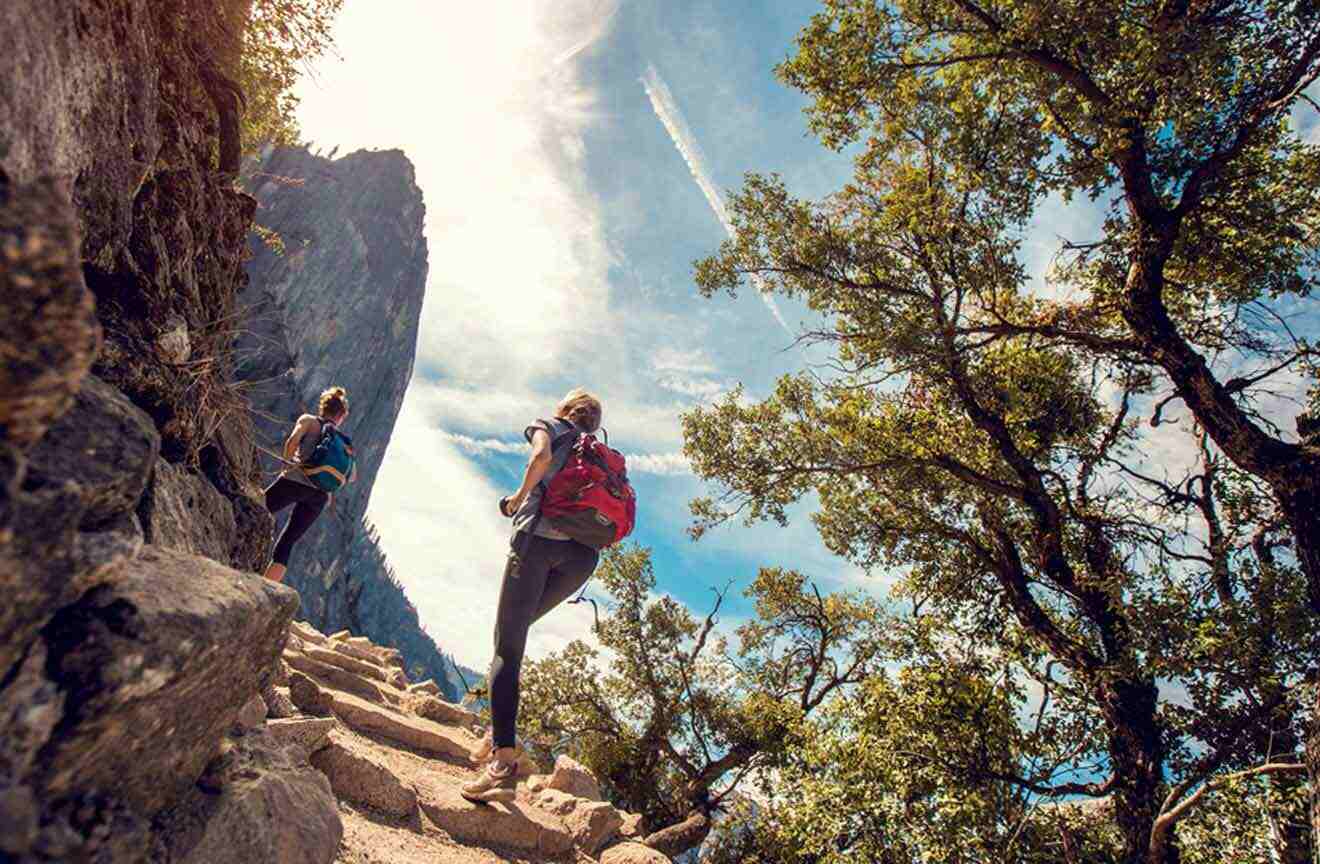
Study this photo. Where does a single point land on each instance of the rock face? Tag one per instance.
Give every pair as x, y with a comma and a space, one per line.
124, 664
183, 511
336, 299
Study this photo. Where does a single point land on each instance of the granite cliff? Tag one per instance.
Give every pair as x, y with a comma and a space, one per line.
336, 282
131, 639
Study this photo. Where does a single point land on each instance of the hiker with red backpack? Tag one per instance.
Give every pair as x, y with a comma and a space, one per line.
319, 459
574, 500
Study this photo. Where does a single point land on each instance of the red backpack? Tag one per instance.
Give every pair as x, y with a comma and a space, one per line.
590, 498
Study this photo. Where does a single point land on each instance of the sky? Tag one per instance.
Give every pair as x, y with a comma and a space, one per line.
575, 156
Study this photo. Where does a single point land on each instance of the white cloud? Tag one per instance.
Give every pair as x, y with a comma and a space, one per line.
638, 463
666, 108
667, 464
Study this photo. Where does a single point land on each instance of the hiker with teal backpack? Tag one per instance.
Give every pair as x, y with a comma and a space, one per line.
574, 500
320, 462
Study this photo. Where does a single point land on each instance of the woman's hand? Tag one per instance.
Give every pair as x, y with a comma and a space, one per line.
513, 502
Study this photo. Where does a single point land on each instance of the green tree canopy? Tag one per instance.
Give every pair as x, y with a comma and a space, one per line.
987, 439
283, 37
673, 717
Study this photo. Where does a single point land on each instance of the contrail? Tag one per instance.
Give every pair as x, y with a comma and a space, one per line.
672, 118
602, 23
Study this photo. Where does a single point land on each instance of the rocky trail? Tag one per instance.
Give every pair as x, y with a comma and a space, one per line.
395, 755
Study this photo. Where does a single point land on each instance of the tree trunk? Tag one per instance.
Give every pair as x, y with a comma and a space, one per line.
1136, 747
219, 56
677, 839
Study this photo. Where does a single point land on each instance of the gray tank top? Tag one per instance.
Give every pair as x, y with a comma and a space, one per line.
560, 440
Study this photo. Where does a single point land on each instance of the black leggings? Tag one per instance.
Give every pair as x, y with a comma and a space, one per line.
545, 575
308, 502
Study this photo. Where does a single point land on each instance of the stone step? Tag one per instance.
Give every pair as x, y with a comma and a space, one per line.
377, 660
307, 732
358, 777
415, 732
517, 825
342, 679
630, 852
392, 657
367, 653
428, 686
368, 839
346, 662
308, 633
437, 709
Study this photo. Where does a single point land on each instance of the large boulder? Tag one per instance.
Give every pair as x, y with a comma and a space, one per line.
184, 512
571, 777
156, 664
592, 824
271, 807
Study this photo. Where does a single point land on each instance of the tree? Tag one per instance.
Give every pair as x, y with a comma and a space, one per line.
983, 438
283, 37
912, 766
678, 719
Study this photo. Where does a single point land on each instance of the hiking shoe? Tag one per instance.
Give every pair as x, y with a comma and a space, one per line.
497, 782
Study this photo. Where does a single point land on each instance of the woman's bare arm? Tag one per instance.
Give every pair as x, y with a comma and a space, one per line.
537, 466
301, 428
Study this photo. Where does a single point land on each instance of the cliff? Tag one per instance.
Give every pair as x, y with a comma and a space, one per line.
337, 279
131, 640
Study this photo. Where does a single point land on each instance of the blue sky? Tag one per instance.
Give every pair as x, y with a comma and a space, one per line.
562, 147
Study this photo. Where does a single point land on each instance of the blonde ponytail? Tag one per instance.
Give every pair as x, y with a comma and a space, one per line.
334, 403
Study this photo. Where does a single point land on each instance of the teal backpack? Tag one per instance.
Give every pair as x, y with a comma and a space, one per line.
332, 461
